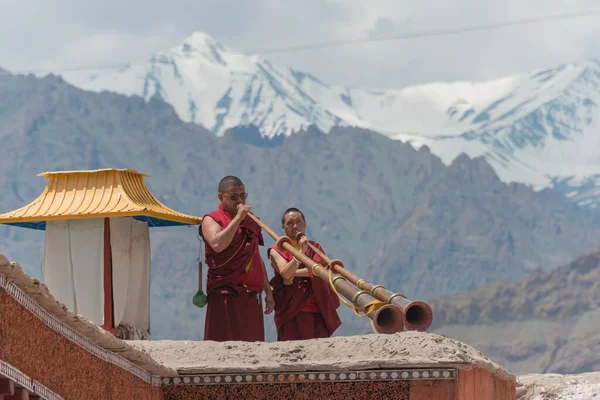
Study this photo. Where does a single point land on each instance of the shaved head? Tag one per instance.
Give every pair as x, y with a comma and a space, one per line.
229, 181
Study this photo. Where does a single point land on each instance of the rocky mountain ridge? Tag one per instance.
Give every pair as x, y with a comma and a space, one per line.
545, 324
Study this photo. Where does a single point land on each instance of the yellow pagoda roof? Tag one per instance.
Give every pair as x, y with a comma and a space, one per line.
98, 193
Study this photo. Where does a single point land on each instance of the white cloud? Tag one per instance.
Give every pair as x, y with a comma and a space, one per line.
73, 33
112, 47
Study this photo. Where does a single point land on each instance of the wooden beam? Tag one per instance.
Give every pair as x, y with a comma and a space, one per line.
108, 286
7, 387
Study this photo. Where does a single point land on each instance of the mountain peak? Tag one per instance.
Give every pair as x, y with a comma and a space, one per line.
200, 39
201, 46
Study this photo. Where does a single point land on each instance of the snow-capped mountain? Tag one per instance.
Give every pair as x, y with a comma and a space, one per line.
540, 128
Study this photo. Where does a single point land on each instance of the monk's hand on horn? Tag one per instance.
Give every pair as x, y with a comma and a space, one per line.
242, 211
303, 244
269, 303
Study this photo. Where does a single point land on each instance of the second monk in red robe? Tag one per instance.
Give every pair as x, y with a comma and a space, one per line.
305, 305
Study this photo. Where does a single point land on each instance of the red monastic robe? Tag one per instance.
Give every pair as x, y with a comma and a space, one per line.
306, 309
234, 284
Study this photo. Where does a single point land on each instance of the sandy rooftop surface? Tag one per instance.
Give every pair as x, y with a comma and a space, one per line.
405, 349
559, 387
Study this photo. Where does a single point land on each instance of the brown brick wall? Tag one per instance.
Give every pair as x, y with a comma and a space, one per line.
59, 364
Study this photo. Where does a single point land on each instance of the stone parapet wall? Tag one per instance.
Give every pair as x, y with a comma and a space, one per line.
404, 350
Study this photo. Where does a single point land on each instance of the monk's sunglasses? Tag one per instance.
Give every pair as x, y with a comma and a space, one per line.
237, 196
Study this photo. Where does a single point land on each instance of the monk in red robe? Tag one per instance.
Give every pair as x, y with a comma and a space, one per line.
305, 305
236, 273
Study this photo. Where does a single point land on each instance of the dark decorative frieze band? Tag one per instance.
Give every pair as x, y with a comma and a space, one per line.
35, 387
324, 376
31, 305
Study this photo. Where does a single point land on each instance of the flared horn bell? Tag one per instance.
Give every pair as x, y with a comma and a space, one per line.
388, 319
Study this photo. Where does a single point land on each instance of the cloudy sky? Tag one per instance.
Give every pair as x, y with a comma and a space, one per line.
50, 34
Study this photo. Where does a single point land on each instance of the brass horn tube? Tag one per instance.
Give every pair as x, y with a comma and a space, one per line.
387, 319
417, 314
